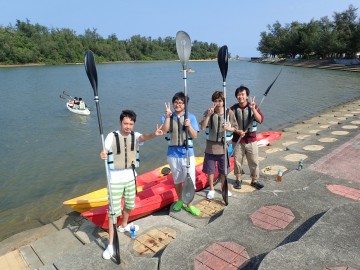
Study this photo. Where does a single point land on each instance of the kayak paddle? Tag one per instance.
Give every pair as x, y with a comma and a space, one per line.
223, 58
252, 117
67, 94
90, 68
183, 48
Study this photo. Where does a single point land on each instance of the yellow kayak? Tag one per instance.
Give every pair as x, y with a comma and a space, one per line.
143, 181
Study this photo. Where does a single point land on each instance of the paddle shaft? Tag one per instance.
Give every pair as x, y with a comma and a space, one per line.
92, 75
186, 116
223, 65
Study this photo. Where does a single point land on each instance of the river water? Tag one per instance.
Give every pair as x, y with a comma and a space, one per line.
49, 155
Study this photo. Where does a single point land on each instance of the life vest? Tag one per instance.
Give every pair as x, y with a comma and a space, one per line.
243, 117
125, 152
214, 130
176, 136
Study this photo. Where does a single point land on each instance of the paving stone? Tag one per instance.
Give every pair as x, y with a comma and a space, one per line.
13, 261
87, 232
272, 217
30, 257
54, 245
222, 255
345, 191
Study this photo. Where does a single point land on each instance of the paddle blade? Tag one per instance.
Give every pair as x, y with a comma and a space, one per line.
116, 245
90, 68
223, 58
188, 191
183, 47
224, 191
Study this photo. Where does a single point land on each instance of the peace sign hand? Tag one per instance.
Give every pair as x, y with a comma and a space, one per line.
168, 111
252, 103
212, 109
158, 131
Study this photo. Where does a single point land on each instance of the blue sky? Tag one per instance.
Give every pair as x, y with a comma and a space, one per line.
234, 23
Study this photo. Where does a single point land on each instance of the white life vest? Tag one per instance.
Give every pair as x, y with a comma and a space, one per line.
125, 152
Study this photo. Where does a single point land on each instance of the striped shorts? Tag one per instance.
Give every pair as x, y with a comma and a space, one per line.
118, 190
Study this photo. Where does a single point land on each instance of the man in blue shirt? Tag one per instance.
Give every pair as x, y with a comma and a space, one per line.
174, 123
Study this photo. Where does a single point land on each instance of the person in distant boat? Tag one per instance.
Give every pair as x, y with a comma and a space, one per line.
213, 123
82, 105
122, 154
174, 123
77, 101
248, 116
71, 103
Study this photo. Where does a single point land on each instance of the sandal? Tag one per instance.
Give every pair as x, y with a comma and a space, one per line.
256, 185
193, 210
177, 206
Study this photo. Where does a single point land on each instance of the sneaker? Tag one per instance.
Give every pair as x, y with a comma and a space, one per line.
210, 195
237, 184
256, 185
108, 252
229, 193
127, 228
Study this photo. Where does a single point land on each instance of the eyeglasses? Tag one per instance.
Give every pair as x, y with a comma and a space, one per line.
178, 103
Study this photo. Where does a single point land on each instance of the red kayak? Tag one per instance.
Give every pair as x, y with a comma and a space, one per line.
151, 199
265, 138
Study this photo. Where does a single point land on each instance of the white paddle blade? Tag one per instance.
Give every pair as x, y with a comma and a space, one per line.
183, 47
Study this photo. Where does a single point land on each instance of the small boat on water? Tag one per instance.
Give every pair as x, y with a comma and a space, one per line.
77, 109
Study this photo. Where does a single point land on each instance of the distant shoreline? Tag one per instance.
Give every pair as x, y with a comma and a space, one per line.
127, 61
332, 64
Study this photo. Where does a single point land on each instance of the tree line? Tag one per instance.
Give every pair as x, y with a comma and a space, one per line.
318, 39
33, 43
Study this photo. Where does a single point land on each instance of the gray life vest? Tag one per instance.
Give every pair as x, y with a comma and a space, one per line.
243, 117
125, 152
214, 130
176, 135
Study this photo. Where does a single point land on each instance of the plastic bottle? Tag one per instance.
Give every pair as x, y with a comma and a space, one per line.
300, 166
132, 231
279, 176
